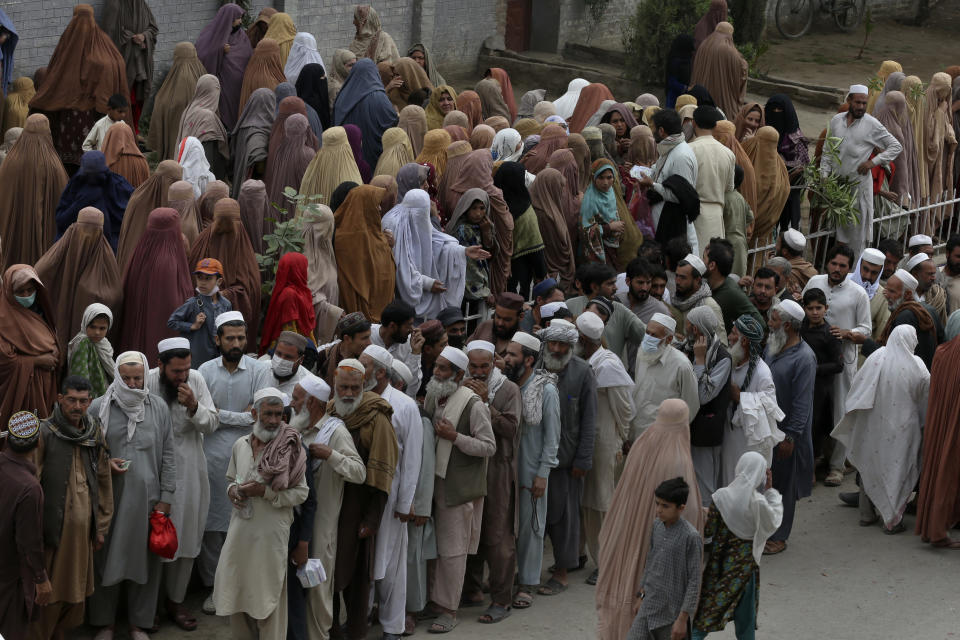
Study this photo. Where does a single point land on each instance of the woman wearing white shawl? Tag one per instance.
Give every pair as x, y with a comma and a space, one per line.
302, 52
883, 426
566, 103
196, 167
507, 146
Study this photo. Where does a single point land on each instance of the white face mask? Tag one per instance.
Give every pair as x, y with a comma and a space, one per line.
650, 343
281, 368
215, 290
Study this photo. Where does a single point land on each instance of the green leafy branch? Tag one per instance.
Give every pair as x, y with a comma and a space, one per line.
287, 236
834, 194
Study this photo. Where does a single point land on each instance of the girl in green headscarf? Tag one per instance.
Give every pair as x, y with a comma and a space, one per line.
90, 354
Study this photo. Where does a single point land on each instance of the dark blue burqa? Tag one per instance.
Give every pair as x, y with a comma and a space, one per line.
363, 102
94, 185
6, 52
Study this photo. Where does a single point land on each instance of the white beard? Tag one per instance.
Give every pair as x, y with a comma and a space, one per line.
556, 364
738, 354
776, 341
300, 420
263, 434
650, 358
369, 385
345, 406
894, 305
438, 391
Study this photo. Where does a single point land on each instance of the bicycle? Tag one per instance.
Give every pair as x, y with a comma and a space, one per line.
794, 17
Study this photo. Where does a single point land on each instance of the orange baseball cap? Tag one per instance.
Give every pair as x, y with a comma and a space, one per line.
210, 266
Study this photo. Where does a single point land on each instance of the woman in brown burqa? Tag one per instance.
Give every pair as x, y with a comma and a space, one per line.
547, 197
263, 71
368, 286
725, 132
33, 179
206, 204
172, 98
322, 270
413, 120
565, 162
155, 283
773, 181
84, 71
591, 97
80, 269
258, 29
661, 453
290, 165
201, 121
180, 198
469, 103
30, 355
721, 68
150, 195
254, 207
250, 140
491, 99
552, 137
123, 155
226, 241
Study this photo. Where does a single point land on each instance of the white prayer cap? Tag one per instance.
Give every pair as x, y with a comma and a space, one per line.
455, 357
315, 387
132, 357
858, 88
547, 310
268, 392
228, 316
909, 282
590, 325
403, 370
792, 309
481, 345
915, 260
667, 322
794, 239
696, 263
526, 340
380, 355
352, 364
170, 344
873, 256
919, 240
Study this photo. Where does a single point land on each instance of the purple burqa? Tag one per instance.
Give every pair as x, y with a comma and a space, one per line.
227, 66
355, 136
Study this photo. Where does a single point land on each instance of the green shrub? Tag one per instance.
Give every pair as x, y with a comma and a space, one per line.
648, 33
750, 17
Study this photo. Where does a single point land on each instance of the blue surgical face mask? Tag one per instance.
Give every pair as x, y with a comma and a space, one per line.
650, 343
28, 301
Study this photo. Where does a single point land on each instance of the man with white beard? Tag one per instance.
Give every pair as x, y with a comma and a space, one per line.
754, 410
901, 295
194, 416
390, 561
578, 419
614, 413
267, 480
333, 461
661, 372
464, 442
793, 365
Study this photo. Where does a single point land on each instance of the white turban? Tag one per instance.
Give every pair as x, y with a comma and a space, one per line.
380, 355
171, 344
794, 239
792, 309
456, 357
858, 88
696, 263
919, 240
481, 345
526, 340
590, 325
560, 331
909, 282
667, 322
352, 363
916, 260
228, 316
315, 387
873, 256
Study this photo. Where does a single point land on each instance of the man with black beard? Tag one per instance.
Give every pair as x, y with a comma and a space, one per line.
637, 297
194, 416
286, 364
435, 340
693, 292
948, 276
396, 334
578, 415
232, 379
507, 316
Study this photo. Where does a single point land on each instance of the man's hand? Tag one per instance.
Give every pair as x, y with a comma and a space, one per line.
301, 553
418, 521
578, 473
395, 83
198, 321
163, 507
320, 451
98, 542
746, 282
679, 629
252, 489
186, 398
784, 450
416, 341
44, 590
734, 392
539, 487
115, 467
236, 497
769, 482
45, 361
226, 48
476, 252
445, 430
366, 532
616, 226
865, 167
700, 350
646, 181
389, 235
437, 287
499, 362
402, 517
889, 195
479, 387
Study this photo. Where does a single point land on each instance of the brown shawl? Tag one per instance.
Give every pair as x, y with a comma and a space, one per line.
924, 320
282, 30
506, 89
547, 195
581, 151
369, 285
372, 419
740, 119
939, 138
254, 207
482, 137
721, 69
292, 163
264, 70
331, 166
150, 195
200, 118
591, 97
716, 14
180, 198
16, 107
434, 151
469, 102
413, 120
172, 98
396, 152
773, 181
123, 155
491, 99
414, 79
258, 29
123, 19
214, 193
552, 137
565, 162
725, 132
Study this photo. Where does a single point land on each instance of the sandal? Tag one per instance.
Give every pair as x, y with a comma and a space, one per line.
429, 613
494, 614
553, 587
181, 617
946, 543
899, 528
773, 547
444, 624
523, 599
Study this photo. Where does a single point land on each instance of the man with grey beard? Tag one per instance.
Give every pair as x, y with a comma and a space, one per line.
901, 295
464, 442
578, 422
793, 365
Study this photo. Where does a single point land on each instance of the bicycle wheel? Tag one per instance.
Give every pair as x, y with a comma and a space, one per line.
848, 13
794, 17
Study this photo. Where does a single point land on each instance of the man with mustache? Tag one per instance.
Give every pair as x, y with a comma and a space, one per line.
232, 379
948, 276
901, 295
867, 275
507, 316
464, 442
396, 334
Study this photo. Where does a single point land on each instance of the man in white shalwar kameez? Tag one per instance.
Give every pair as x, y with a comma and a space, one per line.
333, 461
883, 428
194, 416
715, 167
857, 134
251, 580
848, 312
390, 562
753, 407
614, 413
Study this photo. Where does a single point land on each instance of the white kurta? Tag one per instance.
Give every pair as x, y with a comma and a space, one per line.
253, 561
670, 376
715, 167
754, 421
189, 512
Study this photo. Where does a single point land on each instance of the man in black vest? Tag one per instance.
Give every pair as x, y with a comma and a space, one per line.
464, 442
74, 466
712, 367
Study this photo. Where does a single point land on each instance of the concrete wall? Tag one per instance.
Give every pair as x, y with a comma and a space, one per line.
577, 25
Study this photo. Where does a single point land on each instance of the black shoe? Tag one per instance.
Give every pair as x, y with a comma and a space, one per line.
592, 579
850, 498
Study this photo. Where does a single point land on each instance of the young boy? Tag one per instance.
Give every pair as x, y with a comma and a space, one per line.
815, 331
671, 580
195, 318
117, 107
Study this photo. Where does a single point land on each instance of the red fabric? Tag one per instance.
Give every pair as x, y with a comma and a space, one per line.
291, 300
163, 535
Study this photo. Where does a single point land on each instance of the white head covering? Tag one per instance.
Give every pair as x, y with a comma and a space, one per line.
858, 88
104, 348
909, 282
696, 263
792, 309
170, 344
315, 387
455, 357
481, 345
794, 239
547, 310
873, 256
567, 103
590, 325
267, 392
919, 240
526, 340
504, 147
228, 316
749, 514
352, 363
560, 331
380, 355
915, 260
130, 401
667, 322
403, 370
196, 167
302, 52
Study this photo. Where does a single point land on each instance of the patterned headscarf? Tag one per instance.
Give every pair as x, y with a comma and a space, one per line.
750, 327
560, 331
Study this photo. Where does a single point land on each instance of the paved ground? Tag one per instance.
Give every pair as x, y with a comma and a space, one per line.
836, 580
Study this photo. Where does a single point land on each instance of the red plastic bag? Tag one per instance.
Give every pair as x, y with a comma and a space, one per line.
163, 535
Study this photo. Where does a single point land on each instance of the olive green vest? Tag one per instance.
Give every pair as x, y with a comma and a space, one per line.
466, 478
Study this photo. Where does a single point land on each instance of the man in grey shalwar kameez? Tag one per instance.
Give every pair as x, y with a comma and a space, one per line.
857, 134
139, 433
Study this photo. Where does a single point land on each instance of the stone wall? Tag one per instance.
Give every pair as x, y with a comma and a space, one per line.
577, 25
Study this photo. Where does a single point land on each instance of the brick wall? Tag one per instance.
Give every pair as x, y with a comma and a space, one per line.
577, 25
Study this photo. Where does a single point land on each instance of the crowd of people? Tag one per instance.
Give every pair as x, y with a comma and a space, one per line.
509, 320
